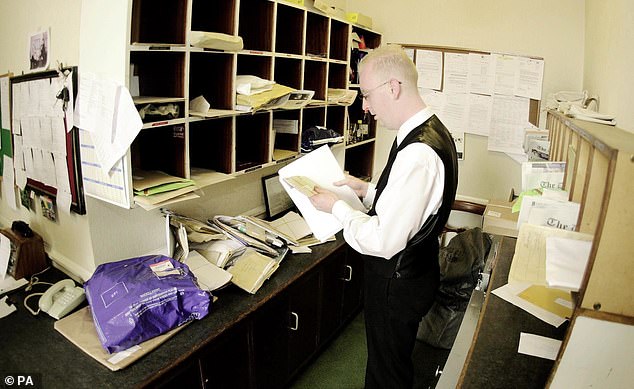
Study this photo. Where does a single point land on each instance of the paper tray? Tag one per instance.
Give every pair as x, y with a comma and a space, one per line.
79, 328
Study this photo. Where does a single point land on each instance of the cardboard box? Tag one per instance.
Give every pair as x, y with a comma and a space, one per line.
499, 219
360, 19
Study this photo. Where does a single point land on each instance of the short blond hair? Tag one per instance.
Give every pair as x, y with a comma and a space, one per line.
391, 61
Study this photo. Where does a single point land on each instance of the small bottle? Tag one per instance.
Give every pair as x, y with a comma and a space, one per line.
352, 131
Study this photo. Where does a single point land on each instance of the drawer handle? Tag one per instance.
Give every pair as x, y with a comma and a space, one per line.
295, 326
348, 277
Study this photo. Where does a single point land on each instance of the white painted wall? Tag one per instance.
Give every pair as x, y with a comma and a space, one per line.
554, 30
609, 57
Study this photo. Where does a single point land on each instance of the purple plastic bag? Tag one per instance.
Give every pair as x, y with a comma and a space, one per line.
139, 298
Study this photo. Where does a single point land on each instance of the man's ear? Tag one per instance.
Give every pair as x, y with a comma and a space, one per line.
395, 88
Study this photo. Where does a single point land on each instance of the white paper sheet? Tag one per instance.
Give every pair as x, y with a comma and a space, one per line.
456, 73
481, 75
210, 277
510, 293
429, 66
508, 120
506, 70
5, 252
538, 346
8, 182
5, 111
479, 114
320, 166
106, 110
530, 77
529, 259
566, 261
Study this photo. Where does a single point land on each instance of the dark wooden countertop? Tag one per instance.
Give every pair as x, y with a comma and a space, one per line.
30, 345
493, 361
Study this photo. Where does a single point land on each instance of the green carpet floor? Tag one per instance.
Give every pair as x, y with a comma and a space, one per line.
342, 364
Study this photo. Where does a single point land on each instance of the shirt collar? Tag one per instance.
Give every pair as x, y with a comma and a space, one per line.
413, 122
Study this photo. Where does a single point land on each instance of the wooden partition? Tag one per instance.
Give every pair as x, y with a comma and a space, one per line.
600, 176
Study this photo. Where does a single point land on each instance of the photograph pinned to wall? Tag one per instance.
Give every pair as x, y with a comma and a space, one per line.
27, 198
48, 207
39, 54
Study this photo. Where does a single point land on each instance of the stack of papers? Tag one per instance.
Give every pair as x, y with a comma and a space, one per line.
255, 93
550, 212
543, 175
341, 96
541, 277
251, 269
220, 252
209, 276
276, 97
215, 41
153, 189
591, 116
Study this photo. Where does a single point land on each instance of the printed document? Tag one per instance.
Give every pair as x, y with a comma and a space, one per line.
322, 168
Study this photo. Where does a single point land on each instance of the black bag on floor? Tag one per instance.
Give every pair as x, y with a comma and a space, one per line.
461, 262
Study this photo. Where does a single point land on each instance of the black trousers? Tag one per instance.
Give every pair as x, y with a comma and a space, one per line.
393, 308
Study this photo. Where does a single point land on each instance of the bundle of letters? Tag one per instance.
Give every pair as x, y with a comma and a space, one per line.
242, 247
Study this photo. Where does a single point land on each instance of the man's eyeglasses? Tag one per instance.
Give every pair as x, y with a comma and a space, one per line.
366, 94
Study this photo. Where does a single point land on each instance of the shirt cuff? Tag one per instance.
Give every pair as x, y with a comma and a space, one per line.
368, 200
340, 209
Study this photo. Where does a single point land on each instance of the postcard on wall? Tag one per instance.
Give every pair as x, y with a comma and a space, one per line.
39, 53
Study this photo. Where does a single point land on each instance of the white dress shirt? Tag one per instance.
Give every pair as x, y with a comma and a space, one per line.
413, 192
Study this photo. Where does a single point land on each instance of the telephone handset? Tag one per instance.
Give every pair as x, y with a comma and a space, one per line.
61, 298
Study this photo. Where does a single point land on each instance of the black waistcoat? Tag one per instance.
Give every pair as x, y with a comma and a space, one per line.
420, 256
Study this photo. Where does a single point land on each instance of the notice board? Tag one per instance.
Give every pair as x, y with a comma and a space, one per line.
45, 142
6, 147
483, 93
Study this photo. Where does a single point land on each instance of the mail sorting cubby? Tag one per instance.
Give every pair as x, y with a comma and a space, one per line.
259, 65
161, 21
371, 39
339, 44
336, 119
286, 124
313, 116
213, 16
288, 72
211, 145
255, 24
337, 75
359, 159
252, 141
161, 148
211, 75
159, 94
599, 173
316, 35
289, 30
315, 78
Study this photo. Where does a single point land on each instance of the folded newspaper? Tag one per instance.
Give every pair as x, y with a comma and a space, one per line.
591, 116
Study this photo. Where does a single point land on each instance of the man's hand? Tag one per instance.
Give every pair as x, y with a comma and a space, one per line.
360, 187
323, 200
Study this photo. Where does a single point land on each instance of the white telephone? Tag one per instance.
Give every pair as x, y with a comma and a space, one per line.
61, 298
